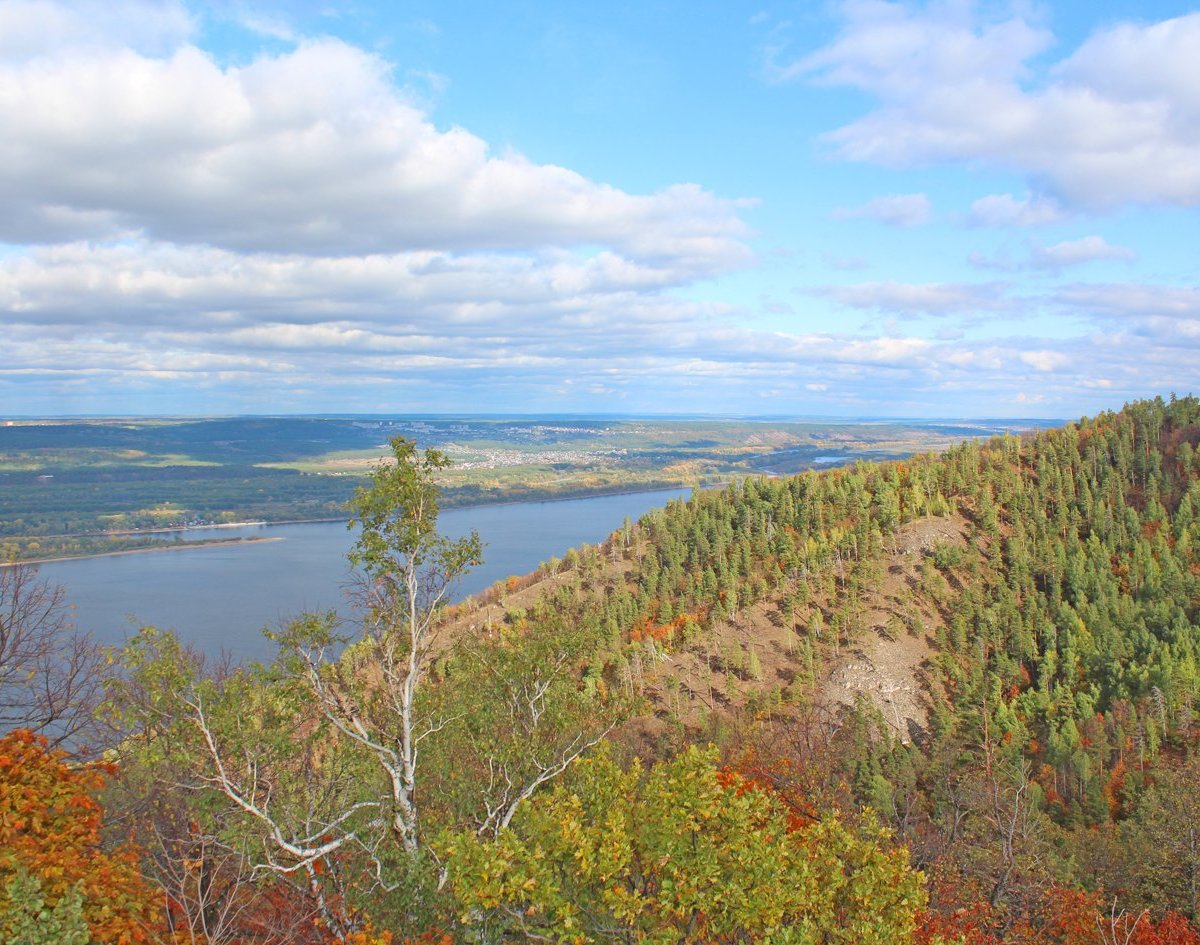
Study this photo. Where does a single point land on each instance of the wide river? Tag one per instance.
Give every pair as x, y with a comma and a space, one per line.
221, 598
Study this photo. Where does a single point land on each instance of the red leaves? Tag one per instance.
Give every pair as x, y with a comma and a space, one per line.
1065, 916
1173, 929
968, 926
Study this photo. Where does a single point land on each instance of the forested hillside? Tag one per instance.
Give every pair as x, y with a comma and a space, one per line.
949, 699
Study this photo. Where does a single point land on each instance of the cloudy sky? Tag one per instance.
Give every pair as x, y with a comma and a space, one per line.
853, 208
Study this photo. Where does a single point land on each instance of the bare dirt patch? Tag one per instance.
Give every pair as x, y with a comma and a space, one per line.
888, 664
755, 663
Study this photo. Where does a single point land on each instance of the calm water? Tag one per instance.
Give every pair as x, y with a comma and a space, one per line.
221, 598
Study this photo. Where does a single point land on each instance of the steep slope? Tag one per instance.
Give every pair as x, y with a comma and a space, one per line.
1053, 579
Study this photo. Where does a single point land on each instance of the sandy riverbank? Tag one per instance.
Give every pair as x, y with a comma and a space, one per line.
182, 546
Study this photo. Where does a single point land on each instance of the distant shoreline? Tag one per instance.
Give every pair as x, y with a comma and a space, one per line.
530, 500
166, 529
297, 521
181, 546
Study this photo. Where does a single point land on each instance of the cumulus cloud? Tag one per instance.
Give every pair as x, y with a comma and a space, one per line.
180, 223
895, 210
313, 150
156, 318
295, 229
1007, 210
153, 331
1112, 123
1056, 257
37, 29
1077, 252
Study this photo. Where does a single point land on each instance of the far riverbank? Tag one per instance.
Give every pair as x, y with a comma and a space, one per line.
449, 504
160, 546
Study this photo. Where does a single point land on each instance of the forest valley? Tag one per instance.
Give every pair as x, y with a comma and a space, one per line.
945, 700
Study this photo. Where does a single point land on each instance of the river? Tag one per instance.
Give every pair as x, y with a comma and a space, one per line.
220, 598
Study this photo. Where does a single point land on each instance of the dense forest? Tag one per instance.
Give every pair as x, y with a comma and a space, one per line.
949, 699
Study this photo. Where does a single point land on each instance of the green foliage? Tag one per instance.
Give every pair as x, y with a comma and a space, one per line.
754, 666
947, 556
520, 706
1163, 842
680, 853
1072, 611
397, 514
26, 919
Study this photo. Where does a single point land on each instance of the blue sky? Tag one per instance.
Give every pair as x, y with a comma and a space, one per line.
858, 208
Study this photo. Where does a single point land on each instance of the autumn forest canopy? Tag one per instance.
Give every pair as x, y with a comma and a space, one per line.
946, 699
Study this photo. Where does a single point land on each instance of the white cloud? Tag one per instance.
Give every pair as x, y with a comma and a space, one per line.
1128, 301
1113, 123
921, 299
1077, 252
1056, 257
213, 237
245, 228
269, 25
1155, 327
140, 315
1007, 210
313, 150
895, 210
33, 29
1045, 360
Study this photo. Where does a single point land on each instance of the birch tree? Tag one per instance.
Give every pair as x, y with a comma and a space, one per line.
374, 695
343, 759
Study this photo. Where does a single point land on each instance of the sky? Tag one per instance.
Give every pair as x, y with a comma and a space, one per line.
856, 208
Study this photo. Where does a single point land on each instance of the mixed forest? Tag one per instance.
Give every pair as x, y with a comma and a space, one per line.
948, 699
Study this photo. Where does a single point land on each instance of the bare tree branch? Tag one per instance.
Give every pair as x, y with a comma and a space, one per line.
51, 675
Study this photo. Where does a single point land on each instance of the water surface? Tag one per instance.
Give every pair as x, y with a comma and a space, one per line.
220, 598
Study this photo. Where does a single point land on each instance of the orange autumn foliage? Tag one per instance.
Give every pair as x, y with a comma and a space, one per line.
1071, 918
1172, 929
1075, 917
367, 936
50, 826
776, 777
433, 937
966, 927
1063, 916
662, 632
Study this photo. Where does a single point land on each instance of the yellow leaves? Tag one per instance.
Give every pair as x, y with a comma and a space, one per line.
682, 851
